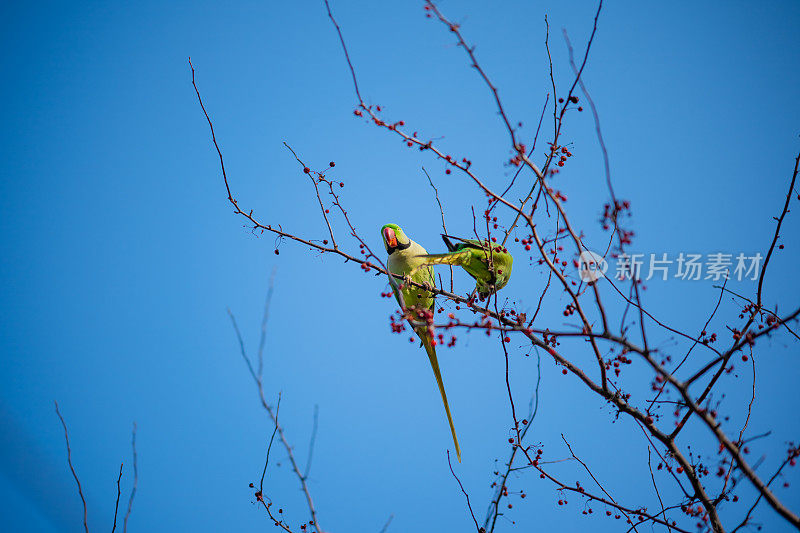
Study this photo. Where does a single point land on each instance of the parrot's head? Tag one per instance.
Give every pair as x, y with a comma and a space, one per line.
394, 238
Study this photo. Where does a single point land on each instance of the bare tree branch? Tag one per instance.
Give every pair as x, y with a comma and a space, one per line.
72, 468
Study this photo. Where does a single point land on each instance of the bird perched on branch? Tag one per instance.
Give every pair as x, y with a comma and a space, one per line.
489, 264
405, 259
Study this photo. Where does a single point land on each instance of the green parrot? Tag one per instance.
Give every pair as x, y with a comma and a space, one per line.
475, 257
405, 260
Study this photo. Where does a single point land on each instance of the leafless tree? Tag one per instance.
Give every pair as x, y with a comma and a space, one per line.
598, 344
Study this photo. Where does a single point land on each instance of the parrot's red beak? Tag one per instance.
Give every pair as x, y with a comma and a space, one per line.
390, 237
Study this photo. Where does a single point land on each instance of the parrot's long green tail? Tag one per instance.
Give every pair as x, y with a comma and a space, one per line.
426, 341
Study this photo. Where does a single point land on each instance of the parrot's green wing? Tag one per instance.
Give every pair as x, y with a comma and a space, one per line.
475, 257
461, 258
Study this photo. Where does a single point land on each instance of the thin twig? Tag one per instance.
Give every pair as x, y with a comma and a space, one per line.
655, 486
72, 468
477, 527
311, 442
494, 506
777, 231
386, 525
116, 505
265, 317
269, 447
135, 479
585, 467
287, 447
441, 211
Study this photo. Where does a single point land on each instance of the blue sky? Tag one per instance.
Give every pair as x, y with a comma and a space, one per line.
120, 254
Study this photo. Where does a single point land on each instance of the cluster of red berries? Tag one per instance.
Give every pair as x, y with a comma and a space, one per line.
793, 453
564, 155
616, 362
749, 337
398, 325
707, 339
549, 340
521, 150
557, 194
450, 343
747, 309
611, 214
